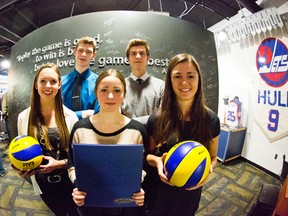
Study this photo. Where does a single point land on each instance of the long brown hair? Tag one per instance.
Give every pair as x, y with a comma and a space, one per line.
169, 117
36, 119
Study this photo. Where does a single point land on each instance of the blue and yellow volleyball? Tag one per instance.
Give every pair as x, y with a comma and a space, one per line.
25, 152
187, 164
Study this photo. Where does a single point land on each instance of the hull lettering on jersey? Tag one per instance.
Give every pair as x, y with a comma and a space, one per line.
273, 98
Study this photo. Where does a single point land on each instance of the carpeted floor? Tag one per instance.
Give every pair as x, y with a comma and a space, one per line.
232, 189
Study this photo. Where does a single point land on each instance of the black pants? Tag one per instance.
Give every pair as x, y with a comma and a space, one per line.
58, 196
164, 200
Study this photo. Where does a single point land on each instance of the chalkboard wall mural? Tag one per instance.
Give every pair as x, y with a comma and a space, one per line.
112, 30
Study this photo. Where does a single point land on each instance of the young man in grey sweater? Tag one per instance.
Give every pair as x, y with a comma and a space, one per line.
144, 92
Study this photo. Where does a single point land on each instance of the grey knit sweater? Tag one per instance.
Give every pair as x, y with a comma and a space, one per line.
142, 99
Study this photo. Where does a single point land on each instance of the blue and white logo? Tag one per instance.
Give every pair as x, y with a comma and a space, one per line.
272, 62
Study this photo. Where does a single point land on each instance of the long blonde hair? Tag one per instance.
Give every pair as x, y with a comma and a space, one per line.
36, 120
